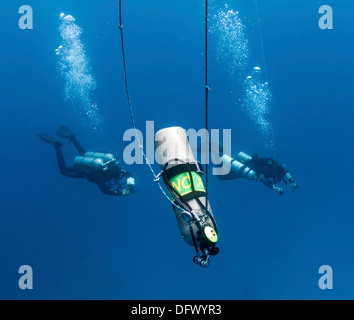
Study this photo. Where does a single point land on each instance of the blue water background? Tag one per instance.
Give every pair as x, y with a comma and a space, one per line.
82, 244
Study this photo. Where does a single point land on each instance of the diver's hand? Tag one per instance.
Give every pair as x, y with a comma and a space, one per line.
293, 186
278, 190
128, 191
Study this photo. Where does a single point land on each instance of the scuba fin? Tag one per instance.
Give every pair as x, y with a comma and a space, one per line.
50, 140
65, 133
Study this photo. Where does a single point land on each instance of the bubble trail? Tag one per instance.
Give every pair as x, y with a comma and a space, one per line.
233, 51
257, 102
232, 47
75, 68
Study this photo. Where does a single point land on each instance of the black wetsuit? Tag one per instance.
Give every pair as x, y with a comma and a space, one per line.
268, 171
109, 182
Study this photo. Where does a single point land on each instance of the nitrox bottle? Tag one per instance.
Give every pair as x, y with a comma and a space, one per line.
182, 175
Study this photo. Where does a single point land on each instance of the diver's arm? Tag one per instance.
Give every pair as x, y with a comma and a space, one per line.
125, 174
107, 190
293, 184
130, 181
268, 184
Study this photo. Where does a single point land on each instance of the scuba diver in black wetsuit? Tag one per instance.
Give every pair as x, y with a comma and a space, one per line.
97, 167
270, 172
266, 170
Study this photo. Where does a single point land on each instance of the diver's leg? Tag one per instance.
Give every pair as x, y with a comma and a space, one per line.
69, 172
61, 161
66, 133
78, 146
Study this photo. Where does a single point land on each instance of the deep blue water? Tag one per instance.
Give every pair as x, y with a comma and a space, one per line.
82, 244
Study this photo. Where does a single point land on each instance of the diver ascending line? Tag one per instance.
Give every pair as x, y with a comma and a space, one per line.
100, 168
266, 170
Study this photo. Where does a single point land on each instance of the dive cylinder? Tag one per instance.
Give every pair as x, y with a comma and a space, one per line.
106, 157
94, 161
243, 157
182, 175
238, 166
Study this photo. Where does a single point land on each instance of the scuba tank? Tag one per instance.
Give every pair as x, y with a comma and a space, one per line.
238, 166
94, 161
105, 156
182, 175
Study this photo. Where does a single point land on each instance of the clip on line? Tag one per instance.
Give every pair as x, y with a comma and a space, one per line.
156, 177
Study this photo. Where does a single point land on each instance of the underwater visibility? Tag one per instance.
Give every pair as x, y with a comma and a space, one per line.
149, 144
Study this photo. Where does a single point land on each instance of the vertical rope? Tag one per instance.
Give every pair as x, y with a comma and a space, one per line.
125, 69
207, 89
156, 177
266, 75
